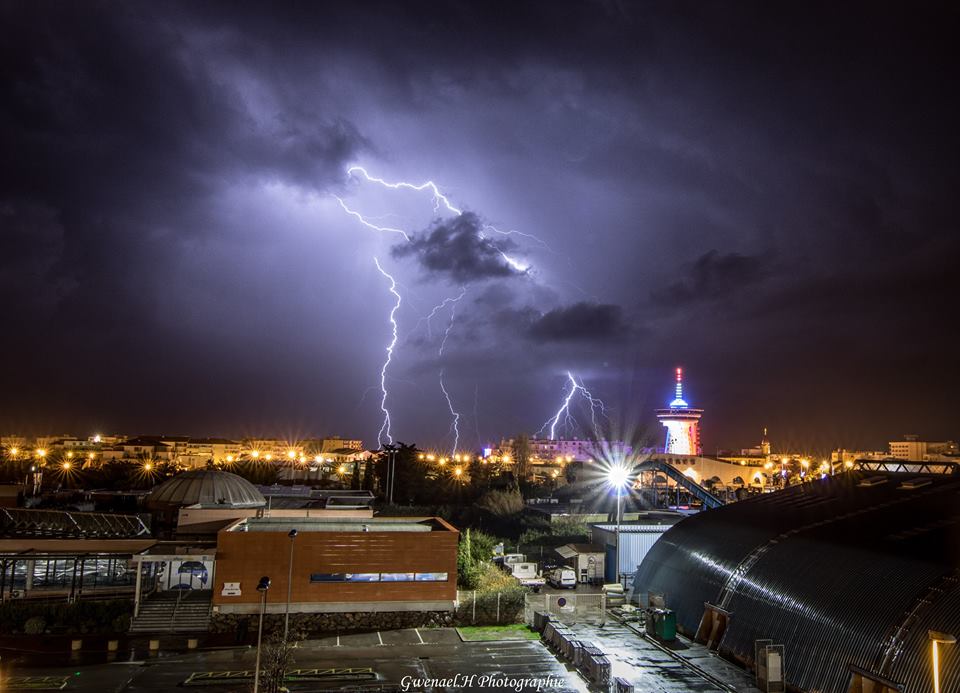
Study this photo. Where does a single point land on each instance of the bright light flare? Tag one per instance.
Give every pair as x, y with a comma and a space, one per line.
618, 475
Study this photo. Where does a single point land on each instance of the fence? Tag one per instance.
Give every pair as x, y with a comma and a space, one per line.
568, 608
490, 608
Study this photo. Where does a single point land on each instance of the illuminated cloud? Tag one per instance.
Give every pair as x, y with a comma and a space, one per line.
458, 249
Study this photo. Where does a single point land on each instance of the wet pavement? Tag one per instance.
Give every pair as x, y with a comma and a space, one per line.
410, 657
652, 670
404, 657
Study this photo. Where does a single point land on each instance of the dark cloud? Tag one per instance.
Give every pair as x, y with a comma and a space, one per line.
458, 248
713, 275
774, 182
583, 321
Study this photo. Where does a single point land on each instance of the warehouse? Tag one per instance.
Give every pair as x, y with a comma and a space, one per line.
851, 574
337, 565
635, 540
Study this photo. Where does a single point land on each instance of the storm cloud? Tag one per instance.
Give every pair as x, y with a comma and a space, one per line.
758, 193
579, 322
459, 249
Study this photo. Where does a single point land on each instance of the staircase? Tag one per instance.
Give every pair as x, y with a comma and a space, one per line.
176, 611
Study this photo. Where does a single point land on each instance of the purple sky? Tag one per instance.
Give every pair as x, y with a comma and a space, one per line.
765, 196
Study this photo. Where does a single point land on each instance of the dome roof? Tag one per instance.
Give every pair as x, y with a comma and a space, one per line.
207, 487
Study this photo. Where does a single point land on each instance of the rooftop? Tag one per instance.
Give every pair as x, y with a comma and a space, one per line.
320, 524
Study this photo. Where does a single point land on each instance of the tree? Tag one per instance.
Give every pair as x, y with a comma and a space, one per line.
355, 479
521, 454
369, 482
409, 473
277, 660
501, 503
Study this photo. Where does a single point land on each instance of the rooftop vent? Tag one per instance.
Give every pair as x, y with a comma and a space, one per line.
872, 481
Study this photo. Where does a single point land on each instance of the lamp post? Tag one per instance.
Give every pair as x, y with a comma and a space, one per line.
936, 639
286, 619
617, 476
262, 588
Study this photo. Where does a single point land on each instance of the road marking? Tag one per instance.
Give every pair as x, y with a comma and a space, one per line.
338, 639
379, 638
420, 637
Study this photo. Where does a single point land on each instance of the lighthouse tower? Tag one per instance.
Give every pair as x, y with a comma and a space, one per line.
682, 424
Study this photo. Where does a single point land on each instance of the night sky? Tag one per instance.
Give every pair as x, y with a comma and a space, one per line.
765, 195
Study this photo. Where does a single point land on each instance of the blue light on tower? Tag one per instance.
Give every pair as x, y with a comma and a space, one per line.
682, 424
678, 402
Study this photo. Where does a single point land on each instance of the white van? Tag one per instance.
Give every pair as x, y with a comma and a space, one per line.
562, 577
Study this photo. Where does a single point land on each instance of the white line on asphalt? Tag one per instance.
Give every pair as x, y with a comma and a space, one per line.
379, 638
338, 639
419, 636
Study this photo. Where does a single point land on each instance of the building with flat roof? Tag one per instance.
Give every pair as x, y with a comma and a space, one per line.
338, 565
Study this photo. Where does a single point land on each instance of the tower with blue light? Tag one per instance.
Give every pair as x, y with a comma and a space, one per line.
682, 424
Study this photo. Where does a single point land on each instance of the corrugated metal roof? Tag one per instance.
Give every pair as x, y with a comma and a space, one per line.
838, 572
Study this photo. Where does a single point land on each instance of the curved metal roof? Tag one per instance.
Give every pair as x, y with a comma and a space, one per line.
853, 569
207, 487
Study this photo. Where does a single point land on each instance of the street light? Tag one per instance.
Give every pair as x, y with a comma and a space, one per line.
617, 477
286, 619
937, 638
262, 588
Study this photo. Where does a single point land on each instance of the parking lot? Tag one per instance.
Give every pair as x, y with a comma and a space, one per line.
395, 657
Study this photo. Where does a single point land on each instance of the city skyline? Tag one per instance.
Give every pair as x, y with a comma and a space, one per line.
219, 222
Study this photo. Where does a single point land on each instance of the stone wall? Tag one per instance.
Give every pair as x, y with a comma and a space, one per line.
319, 623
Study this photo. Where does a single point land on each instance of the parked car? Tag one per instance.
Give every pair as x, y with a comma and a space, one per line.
562, 577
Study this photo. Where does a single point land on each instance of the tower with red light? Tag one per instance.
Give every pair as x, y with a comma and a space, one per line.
682, 424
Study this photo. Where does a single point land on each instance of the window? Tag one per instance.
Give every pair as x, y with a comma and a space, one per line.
379, 577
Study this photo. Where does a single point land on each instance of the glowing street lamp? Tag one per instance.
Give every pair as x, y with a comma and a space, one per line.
66, 466
41, 453
292, 454
936, 639
229, 458
255, 454
617, 478
14, 452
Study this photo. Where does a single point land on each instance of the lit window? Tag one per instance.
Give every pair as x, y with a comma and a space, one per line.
397, 577
363, 577
432, 577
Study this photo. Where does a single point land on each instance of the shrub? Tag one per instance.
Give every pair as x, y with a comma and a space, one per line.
501, 503
34, 625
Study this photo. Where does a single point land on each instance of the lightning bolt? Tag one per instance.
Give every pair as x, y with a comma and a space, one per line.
359, 217
439, 199
385, 428
564, 410
436, 309
455, 424
440, 202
